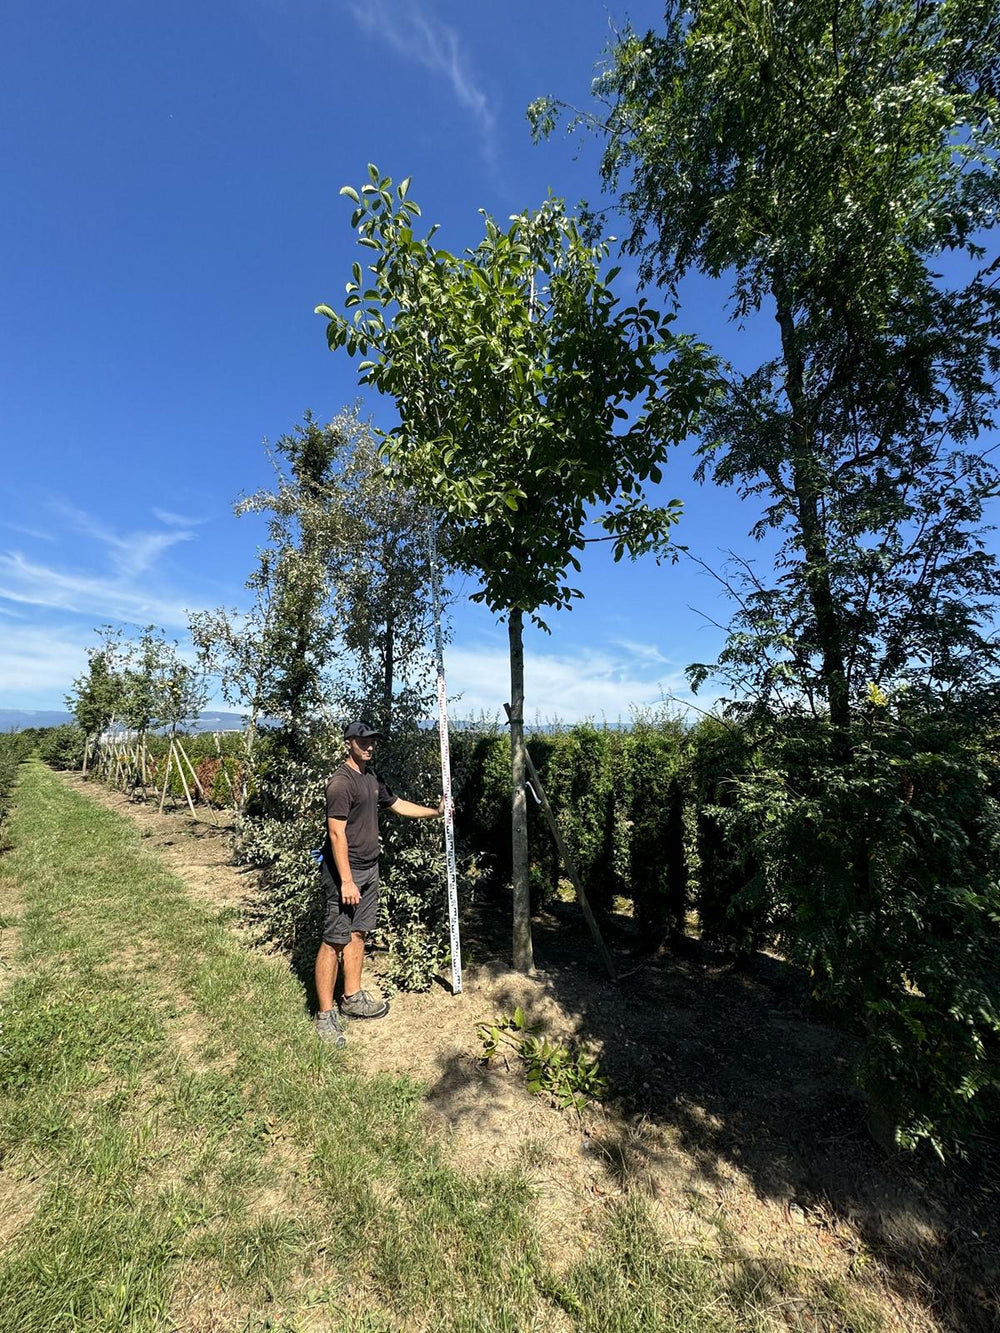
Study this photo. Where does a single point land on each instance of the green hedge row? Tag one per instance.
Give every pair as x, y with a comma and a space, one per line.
636, 809
15, 746
879, 874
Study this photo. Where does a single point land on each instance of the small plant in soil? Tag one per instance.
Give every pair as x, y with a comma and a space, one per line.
570, 1076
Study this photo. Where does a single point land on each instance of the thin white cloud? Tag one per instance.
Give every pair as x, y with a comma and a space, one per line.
38, 665
35, 663
598, 685
30, 532
416, 35
24, 582
177, 520
131, 552
644, 652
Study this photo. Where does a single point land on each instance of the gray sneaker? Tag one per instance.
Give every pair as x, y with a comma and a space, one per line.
328, 1028
363, 1005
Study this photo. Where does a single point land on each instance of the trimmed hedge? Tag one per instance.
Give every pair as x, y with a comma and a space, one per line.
629, 805
15, 747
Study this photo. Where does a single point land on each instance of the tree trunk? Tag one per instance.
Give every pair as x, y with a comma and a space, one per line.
388, 670
247, 765
524, 960
807, 490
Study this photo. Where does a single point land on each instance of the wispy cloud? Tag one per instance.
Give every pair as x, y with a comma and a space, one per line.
131, 552
177, 520
36, 533
416, 35
598, 684
24, 582
38, 666
644, 652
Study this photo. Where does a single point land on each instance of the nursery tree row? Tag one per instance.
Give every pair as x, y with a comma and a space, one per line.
823, 163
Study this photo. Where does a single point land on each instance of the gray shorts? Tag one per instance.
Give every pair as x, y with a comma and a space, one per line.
342, 920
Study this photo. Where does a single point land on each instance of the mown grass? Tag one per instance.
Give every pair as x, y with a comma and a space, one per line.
190, 1157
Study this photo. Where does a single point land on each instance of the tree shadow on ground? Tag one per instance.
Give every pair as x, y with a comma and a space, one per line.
736, 1069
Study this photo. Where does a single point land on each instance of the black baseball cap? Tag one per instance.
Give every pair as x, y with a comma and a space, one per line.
360, 731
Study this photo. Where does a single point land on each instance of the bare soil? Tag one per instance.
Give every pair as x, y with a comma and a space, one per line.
731, 1109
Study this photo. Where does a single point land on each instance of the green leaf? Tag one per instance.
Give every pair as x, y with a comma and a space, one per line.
351, 193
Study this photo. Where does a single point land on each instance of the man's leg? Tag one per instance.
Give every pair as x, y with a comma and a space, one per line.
355, 1002
327, 967
328, 1024
354, 961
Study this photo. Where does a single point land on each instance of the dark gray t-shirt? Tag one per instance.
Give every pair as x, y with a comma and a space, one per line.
356, 798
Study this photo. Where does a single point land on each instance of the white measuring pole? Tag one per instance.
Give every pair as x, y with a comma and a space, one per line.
449, 823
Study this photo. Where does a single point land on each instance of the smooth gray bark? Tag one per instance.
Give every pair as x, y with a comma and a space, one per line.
523, 954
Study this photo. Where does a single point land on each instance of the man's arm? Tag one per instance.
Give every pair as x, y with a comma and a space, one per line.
410, 811
349, 891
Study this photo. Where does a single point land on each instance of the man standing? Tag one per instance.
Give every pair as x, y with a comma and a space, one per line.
354, 796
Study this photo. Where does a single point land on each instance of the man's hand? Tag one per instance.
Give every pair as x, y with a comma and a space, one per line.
350, 894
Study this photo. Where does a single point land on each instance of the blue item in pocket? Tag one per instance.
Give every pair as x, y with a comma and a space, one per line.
317, 855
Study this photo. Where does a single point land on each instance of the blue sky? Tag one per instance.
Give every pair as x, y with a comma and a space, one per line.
172, 217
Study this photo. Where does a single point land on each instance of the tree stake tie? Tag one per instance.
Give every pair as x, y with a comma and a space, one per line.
449, 823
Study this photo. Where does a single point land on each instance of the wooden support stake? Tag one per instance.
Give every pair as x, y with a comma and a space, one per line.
180, 770
197, 783
566, 856
166, 777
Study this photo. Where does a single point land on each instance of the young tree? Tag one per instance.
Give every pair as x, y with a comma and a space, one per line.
232, 647
158, 688
342, 588
337, 628
299, 633
514, 372
97, 696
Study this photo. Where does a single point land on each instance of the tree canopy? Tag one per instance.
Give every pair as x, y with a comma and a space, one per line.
826, 160
527, 396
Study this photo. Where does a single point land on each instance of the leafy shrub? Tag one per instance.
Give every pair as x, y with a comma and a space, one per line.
288, 821
578, 784
15, 748
221, 780
569, 1075
62, 747
648, 809
618, 798
719, 846
881, 876
414, 903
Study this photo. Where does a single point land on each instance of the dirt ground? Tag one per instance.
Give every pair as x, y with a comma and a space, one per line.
731, 1106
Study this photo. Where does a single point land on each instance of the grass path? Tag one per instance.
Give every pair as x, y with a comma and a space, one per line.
178, 1152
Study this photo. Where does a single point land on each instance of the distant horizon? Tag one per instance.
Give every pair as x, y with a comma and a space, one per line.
23, 719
